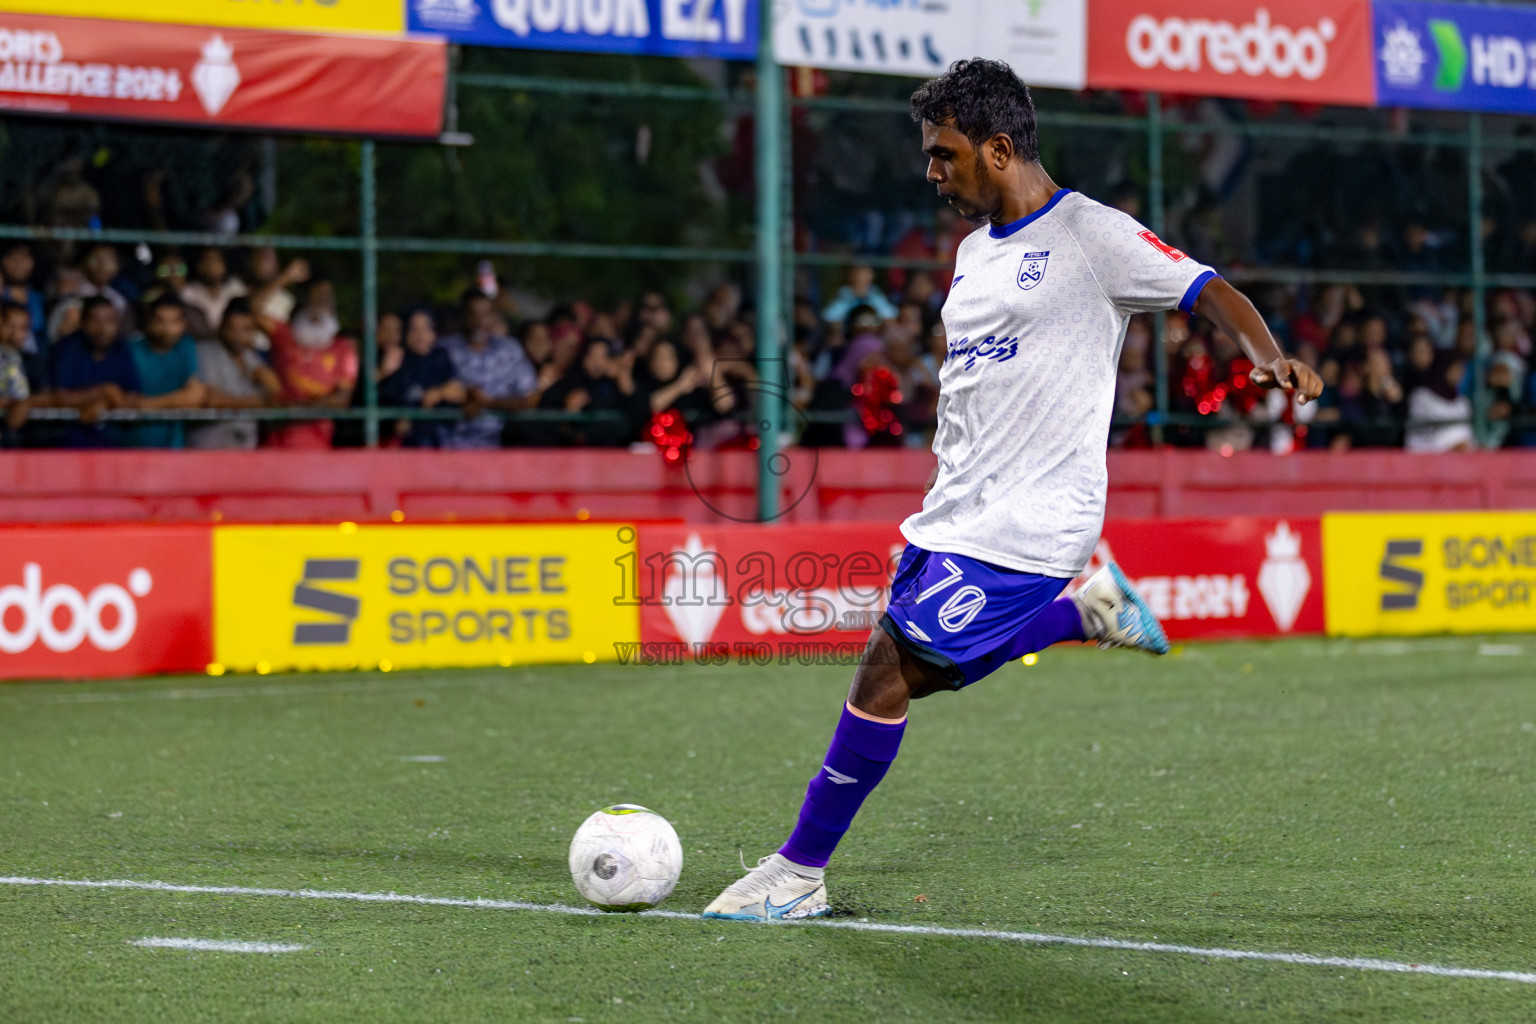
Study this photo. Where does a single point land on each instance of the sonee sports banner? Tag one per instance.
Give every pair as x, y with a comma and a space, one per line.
418, 596
223, 78
1412, 573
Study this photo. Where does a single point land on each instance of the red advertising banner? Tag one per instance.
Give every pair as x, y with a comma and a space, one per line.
776, 586
224, 77
1208, 578
105, 601
1316, 51
721, 591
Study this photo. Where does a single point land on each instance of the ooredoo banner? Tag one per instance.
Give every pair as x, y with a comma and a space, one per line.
1448, 572
385, 16
226, 77
1309, 50
104, 601
390, 597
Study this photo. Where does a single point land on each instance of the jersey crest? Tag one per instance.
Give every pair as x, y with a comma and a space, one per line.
1032, 269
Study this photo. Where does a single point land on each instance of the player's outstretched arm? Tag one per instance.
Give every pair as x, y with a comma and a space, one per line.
1230, 310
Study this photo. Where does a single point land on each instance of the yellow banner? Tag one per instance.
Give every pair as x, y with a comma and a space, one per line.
314, 597
1454, 572
374, 16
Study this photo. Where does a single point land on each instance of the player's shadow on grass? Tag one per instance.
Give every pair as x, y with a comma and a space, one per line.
955, 978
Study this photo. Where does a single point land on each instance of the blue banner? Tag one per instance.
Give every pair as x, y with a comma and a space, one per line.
663, 28
1455, 56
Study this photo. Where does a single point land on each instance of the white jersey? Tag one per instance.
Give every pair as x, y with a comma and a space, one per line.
1035, 319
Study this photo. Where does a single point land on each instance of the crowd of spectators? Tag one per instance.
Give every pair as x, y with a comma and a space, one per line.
248, 331
1397, 374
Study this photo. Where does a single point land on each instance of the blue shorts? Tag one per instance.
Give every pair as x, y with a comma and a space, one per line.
962, 616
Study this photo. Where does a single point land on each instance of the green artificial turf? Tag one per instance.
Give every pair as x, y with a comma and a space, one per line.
1360, 799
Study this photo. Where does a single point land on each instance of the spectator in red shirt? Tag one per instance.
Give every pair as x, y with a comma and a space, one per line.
939, 242
317, 367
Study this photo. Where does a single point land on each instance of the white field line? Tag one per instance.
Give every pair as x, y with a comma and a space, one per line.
217, 946
1031, 938
237, 692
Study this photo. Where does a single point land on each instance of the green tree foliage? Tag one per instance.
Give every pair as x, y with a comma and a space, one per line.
544, 167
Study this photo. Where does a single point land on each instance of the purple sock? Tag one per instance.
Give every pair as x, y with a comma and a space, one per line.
860, 755
1057, 621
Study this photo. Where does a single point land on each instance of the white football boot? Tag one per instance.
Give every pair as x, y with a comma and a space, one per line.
1115, 615
771, 891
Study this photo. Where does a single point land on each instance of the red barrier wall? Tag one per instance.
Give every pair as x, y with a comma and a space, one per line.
830, 485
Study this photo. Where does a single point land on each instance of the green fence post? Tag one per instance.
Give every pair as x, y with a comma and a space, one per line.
1155, 215
370, 247
787, 265
769, 101
1479, 275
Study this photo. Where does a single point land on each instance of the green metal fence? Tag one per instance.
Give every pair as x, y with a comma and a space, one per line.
774, 260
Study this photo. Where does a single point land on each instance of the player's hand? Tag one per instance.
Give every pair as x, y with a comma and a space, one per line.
1290, 374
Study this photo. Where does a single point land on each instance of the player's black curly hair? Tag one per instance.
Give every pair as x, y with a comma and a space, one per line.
982, 98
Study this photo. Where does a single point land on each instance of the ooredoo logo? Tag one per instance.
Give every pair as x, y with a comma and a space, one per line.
1258, 47
63, 618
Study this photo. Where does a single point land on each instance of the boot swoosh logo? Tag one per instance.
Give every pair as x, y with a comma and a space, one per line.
774, 911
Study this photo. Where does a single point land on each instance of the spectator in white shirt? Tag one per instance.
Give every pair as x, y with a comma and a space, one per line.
1439, 415
208, 292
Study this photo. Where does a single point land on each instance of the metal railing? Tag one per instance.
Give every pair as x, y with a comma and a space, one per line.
773, 258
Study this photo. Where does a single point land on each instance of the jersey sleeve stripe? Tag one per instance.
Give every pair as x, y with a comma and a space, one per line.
1192, 293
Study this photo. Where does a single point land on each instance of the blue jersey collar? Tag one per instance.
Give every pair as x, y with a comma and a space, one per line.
1025, 221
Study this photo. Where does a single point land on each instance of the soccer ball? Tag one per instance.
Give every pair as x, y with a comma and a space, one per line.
625, 857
